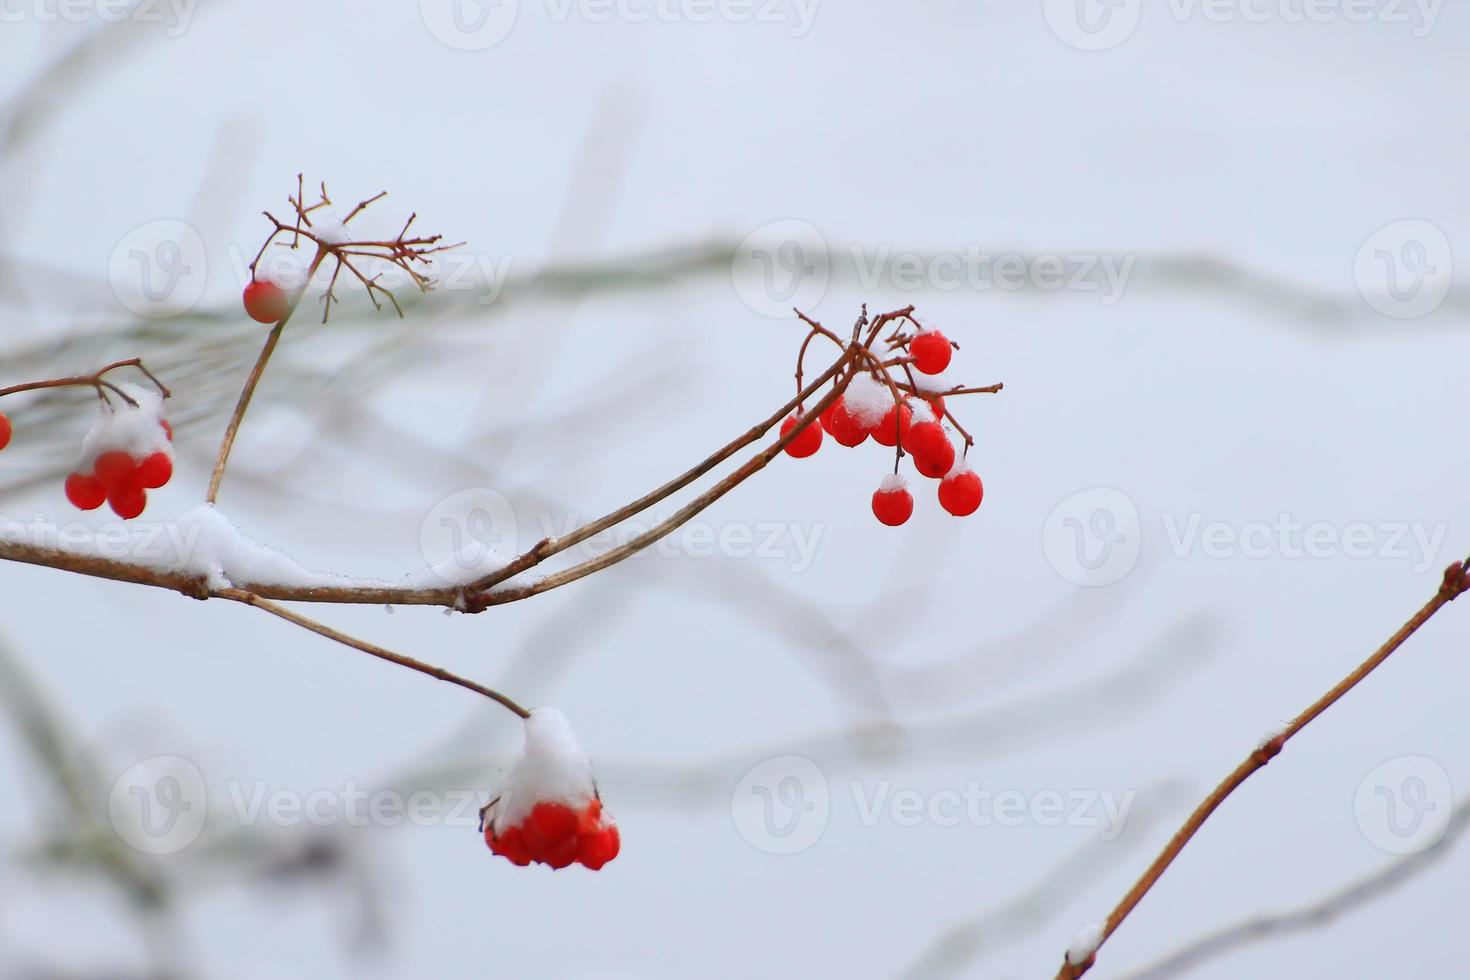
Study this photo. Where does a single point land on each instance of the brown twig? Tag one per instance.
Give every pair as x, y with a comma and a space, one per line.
95, 380
1452, 586
438, 673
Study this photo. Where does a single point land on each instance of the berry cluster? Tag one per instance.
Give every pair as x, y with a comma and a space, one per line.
556, 835
906, 412
126, 454
548, 810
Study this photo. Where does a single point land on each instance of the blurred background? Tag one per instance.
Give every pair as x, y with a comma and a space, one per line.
1209, 249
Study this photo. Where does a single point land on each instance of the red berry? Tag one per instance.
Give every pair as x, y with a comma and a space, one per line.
5, 430
510, 845
892, 503
551, 834
931, 352
116, 470
155, 471
846, 428
85, 491
265, 301
807, 441
894, 426
128, 502
826, 417
168, 430
961, 493
936, 463
924, 439
937, 404
598, 847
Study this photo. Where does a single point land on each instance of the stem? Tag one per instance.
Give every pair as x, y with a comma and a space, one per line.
1454, 584
248, 392
438, 673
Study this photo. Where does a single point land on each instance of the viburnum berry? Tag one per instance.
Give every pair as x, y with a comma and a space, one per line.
125, 454
85, 491
846, 427
128, 502
931, 351
265, 301
892, 503
924, 439
116, 470
548, 810
894, 426
937, 461
5, 430
807, 441
937, 405
960, 493
155, 471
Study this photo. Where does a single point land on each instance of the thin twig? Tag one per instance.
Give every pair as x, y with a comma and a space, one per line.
1452, 586
438, 673
248, 392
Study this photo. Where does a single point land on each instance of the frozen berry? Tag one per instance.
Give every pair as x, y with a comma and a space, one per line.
936, 462
85, 491
265, 301
116, 470
894, 426
155, 471
5, 430
892, 503
846, 428
960, 493
931, 352
552, 834
807, 441
127, 502
510, 845
937, 405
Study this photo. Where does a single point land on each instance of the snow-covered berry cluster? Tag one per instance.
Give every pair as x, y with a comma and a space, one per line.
127, 453
548, 810
906, 412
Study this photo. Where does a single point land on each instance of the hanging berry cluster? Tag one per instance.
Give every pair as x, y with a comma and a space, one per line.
896, 398
128, 450
548, 810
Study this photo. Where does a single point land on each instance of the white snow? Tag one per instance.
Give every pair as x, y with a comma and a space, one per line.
284, 266
1085, 943
922, 410
936, 384
123, 428
1271, 733
867, 399
552, 768
893, 481
326, 225
205, 544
